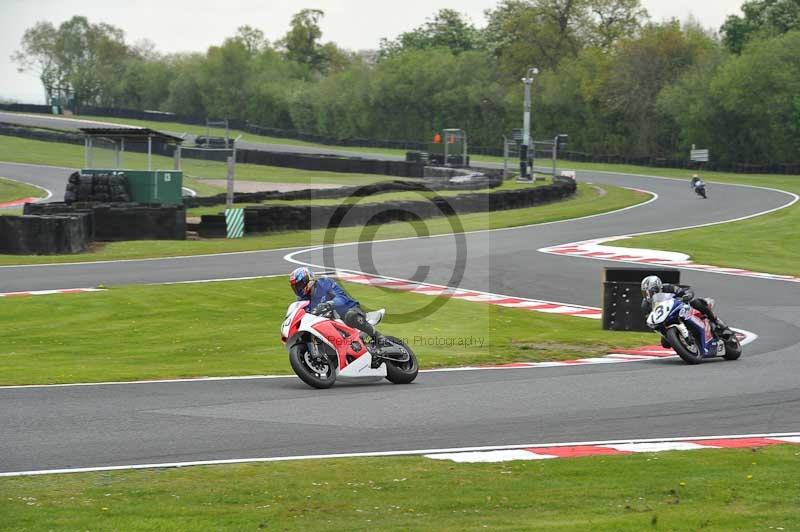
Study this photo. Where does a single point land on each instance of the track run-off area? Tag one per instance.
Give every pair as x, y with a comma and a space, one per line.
180, 422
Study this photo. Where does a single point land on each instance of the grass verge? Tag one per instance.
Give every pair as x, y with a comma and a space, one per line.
11, 190
231, 328
766, 243
715, 490
587, 201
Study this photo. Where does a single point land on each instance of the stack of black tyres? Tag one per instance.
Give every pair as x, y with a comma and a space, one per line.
104, 188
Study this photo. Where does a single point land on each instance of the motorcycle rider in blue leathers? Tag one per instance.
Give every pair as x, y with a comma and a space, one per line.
652, 285
324, 294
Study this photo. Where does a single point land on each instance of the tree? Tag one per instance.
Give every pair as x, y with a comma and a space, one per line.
447, 29
185, 91
38, 56
761, 18
570, 100
612, 20
755, 94
690, 105
638, 71
537, 33
223, 79
252, 39
79, 56
302, 40
542, 33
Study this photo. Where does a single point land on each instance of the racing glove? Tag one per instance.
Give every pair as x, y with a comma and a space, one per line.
323, 308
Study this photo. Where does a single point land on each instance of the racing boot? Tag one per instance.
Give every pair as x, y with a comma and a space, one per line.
378, 343
722, 330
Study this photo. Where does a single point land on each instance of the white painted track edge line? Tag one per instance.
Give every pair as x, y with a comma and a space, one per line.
315, 248
289, 257
49, 193
41, 165
367, 454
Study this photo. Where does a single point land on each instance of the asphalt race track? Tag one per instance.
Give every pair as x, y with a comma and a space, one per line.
52, 178
121, 424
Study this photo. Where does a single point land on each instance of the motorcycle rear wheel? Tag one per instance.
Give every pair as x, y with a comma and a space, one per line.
682, 348
313, 373
402, 372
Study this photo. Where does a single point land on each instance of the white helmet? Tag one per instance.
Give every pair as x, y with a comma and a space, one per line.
651, 285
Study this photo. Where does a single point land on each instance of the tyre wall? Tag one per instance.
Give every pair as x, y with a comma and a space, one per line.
44, 235
489, 180
118, 222
266, 219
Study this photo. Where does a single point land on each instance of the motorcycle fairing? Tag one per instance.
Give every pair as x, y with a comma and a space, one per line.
708, 342
353, 358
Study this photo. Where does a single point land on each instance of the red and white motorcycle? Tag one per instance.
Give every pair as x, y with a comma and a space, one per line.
322, 348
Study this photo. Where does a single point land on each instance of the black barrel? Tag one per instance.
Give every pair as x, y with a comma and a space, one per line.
622, 296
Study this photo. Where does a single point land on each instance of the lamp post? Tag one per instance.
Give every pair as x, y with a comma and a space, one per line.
524, 160
555, 150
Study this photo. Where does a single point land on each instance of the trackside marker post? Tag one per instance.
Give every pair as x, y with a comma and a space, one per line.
234, 219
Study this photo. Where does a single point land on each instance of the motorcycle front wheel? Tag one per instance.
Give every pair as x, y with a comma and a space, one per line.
733, 349
401, 372
314, 372
688, 351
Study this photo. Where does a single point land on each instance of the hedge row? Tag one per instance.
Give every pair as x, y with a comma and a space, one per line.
265, 219
44, 235
127, 221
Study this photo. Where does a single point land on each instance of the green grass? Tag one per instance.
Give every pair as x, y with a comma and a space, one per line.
766, 243
13, 190
585, 202
231, 328
714, 490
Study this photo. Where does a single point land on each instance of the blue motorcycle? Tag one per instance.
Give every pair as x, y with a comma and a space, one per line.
688, 331
699, 187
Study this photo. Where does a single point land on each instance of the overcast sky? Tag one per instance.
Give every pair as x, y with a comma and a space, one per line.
193, 25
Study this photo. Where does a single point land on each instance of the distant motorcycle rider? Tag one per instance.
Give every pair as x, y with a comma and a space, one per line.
325, 294
695, 180
652, 285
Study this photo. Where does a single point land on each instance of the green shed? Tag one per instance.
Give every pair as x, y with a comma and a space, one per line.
146, 186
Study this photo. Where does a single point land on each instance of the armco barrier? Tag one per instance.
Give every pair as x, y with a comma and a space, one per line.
128, 221
265, 219
44, 235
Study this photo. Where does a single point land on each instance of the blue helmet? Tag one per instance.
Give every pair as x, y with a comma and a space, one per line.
301, 280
